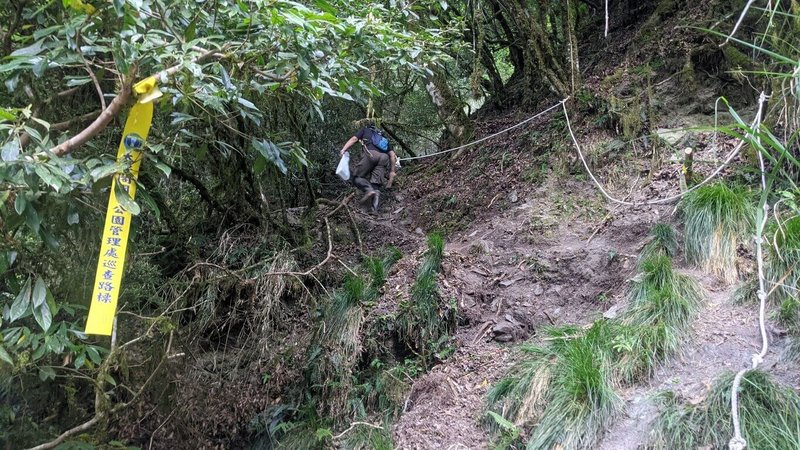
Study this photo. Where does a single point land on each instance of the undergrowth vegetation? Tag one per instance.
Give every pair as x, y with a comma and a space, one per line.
426, 320
770, 417
353, 378
783, 271
718, 218
565, 387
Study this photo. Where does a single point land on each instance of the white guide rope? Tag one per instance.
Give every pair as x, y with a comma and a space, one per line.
738, 442
470, 144
739, 22
716, 171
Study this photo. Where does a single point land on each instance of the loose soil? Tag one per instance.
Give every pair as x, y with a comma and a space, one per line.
548, 253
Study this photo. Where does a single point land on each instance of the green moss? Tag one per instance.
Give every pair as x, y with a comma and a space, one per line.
735, 58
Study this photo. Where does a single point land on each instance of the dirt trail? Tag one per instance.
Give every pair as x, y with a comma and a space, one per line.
523, 269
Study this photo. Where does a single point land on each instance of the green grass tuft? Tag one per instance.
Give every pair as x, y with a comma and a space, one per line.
364, 437
718, 218
426, 320
656, 274
663, 242
565, 388
783, 258
747, 292
769, 413
336, 343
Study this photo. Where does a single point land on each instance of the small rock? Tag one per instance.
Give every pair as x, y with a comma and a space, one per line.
419, 231
538, 290
504, 338
504, 327
513, 196
613, 311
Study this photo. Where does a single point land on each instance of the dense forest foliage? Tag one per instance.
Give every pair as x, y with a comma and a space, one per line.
247, 315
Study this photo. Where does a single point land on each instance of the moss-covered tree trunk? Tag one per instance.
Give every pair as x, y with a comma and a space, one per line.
448, 107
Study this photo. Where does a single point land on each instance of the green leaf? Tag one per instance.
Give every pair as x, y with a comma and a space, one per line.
39, 292
80, 361
191, 29
31, 50
32, 218
47, 176
103, 171
73, 218
43, 317
259, 165
164, 168
179, 118
94, 355
7, 114
4, 356
247, 103
11, 83
51, 304
20, 203
125, 200
502, 422
271, 152
149, 202
110, 380
325, 6
10, 151
47, 373
21, 303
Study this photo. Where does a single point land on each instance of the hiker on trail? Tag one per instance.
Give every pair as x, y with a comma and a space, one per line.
376, 168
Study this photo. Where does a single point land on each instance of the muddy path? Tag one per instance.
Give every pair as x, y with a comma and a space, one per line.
530, 266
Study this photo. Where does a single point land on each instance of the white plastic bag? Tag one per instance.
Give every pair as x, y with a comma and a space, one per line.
343, 169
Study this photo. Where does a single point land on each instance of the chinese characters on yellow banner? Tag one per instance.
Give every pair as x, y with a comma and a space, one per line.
118, 223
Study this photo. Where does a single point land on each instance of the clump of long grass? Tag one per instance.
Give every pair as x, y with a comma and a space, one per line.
718, 218
783, 258
746, 292
426, 319
662, 241
769, 412
657, 274
365, 437
565, 388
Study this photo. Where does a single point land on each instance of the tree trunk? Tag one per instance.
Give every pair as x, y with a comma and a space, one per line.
448, 107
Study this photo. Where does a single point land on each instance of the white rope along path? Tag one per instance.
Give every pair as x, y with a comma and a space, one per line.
470, 144
738, 442
716, 171
739, 22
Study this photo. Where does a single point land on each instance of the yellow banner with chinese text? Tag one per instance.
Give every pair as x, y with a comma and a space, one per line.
117, 226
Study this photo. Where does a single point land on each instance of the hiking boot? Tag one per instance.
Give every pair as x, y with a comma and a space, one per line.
376, 201
367, 196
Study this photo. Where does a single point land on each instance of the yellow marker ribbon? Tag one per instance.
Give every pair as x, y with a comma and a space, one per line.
110, 265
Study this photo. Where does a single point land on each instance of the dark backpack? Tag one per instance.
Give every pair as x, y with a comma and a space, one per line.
379, 140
